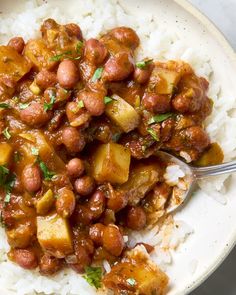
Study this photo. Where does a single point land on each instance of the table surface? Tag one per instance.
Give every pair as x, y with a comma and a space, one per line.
223, 14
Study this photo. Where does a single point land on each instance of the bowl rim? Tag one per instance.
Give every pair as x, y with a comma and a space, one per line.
228, 49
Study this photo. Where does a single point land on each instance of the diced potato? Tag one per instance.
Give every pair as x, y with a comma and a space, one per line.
138, 276
111, 163
5, 153
163, 81
47, 153
28, 137
213, 156
141, 180
122, 114
13, 66
39, 54
54, 235
34, 88
45, 203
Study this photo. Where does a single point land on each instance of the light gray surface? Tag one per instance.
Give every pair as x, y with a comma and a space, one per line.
223, 14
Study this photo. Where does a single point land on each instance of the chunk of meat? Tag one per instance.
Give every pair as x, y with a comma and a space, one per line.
141, 180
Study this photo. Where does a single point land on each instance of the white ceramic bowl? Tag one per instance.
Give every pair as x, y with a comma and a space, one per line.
214, 224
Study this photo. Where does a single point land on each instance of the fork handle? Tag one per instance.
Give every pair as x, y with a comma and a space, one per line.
202, 172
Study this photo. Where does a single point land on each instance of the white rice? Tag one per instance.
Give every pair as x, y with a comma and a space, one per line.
94, 17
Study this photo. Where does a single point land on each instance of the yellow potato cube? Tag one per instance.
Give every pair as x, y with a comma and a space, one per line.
13, 66
54, 235
164, 81
5, 153
138, 276
111, 163
39, 54
122, 114
45, 203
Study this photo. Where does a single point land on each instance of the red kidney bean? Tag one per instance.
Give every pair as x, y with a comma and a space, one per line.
95, 52
31, 178
73, 139
75, 168
67, 74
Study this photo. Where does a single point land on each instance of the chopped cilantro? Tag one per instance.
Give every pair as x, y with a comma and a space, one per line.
48, 106
131, 281
93, 276
107, 99
7, 181
153, 134
143, 64
6, 133
47, 174
58, 57
23, 106
4, 171
159, 118
79, 47
4, 105
80, 104
35, 151
97, 74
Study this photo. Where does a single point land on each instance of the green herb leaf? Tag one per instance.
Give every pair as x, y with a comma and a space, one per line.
159, 118
143, 64
48, 106
23, 106
35, 151
6, 133
4, 105
47, 174
153, 134
97, 74
93, 276
7, 197
131, 281
79, 47
116, 136
80, 104
8, 187
7, 181
58, 57
107, 99
4, 171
